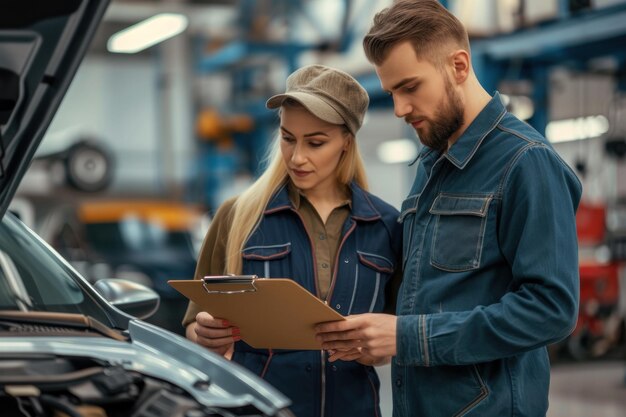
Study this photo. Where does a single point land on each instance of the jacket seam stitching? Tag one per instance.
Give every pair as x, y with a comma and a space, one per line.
541, 144
268, 246
425, 341
267, 257
363, 255
513, 163
518, 134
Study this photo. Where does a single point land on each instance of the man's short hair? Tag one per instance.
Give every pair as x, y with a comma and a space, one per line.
426, 24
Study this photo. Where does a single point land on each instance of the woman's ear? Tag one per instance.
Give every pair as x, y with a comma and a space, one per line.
349, 137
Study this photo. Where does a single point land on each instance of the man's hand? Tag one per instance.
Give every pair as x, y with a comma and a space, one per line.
215, 334
372, 335
356, 354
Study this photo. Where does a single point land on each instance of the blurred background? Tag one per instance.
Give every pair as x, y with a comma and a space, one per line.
166, 119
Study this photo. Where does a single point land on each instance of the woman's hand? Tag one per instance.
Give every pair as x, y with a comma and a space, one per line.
216, 334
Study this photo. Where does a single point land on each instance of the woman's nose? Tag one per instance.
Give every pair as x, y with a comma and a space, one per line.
298, 156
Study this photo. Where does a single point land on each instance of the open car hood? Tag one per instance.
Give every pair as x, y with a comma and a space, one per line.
42, 43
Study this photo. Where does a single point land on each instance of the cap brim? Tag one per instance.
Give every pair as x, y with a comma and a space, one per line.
314, 104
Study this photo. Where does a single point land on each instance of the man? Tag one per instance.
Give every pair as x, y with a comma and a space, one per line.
490, 250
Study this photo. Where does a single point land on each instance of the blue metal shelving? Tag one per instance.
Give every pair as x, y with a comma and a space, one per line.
572, 40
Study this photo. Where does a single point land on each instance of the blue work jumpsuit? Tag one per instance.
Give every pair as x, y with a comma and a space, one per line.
368, 253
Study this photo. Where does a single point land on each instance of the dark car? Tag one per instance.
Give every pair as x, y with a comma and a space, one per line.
148, 241
69, 347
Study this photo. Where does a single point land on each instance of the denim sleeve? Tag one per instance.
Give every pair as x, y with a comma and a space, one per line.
537, 237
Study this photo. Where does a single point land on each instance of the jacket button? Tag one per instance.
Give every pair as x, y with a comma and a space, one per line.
347, 260
398, 382
322, 236
324, 265
334, 367
338, 306
309, 368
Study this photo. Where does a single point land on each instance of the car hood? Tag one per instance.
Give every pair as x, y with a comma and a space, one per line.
42, 43
209, 378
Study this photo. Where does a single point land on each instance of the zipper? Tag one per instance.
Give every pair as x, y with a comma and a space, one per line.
323, 403
306, 232
336, 268
317, 293
328, 296
267, 363
375, 393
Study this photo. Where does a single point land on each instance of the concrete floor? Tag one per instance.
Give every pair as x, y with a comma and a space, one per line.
592, 389
595, 389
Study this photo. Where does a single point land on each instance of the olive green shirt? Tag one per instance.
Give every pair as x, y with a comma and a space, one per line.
324, 237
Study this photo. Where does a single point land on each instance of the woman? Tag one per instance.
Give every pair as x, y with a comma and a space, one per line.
309, 218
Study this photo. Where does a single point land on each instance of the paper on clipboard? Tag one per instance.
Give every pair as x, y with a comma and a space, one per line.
274, 313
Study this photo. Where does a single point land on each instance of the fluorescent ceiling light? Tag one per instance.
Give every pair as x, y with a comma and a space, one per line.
577, 129
147, 33
397, 150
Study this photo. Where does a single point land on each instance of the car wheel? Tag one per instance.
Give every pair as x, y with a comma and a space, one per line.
88, 167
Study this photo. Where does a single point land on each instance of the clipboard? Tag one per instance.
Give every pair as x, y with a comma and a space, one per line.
272, 313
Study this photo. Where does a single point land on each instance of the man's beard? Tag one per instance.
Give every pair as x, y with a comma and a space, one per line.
448, 119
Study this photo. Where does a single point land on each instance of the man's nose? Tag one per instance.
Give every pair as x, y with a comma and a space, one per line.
401, 107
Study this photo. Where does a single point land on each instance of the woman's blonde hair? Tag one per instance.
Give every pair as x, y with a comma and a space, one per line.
250, 205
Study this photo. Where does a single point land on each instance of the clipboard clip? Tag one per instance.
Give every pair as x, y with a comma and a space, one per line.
230, 279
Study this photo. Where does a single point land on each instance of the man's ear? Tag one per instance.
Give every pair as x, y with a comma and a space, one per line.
460, 63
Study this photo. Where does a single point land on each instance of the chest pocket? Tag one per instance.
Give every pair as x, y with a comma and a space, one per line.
267, 261
372, 274
459, 231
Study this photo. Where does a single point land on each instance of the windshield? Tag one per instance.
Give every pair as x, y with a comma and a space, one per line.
34, 278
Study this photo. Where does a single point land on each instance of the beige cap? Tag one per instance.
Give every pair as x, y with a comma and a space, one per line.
328, 93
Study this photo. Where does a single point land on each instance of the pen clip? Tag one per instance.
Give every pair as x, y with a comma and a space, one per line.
230, 279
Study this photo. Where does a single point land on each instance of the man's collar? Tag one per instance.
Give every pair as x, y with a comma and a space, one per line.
461, 152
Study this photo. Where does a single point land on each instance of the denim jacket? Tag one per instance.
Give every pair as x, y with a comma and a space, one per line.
491, 273
368, 254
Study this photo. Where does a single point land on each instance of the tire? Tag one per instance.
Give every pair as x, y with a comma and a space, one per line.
579, 345
88, 167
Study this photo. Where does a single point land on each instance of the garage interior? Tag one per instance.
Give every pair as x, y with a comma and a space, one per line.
148, 143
